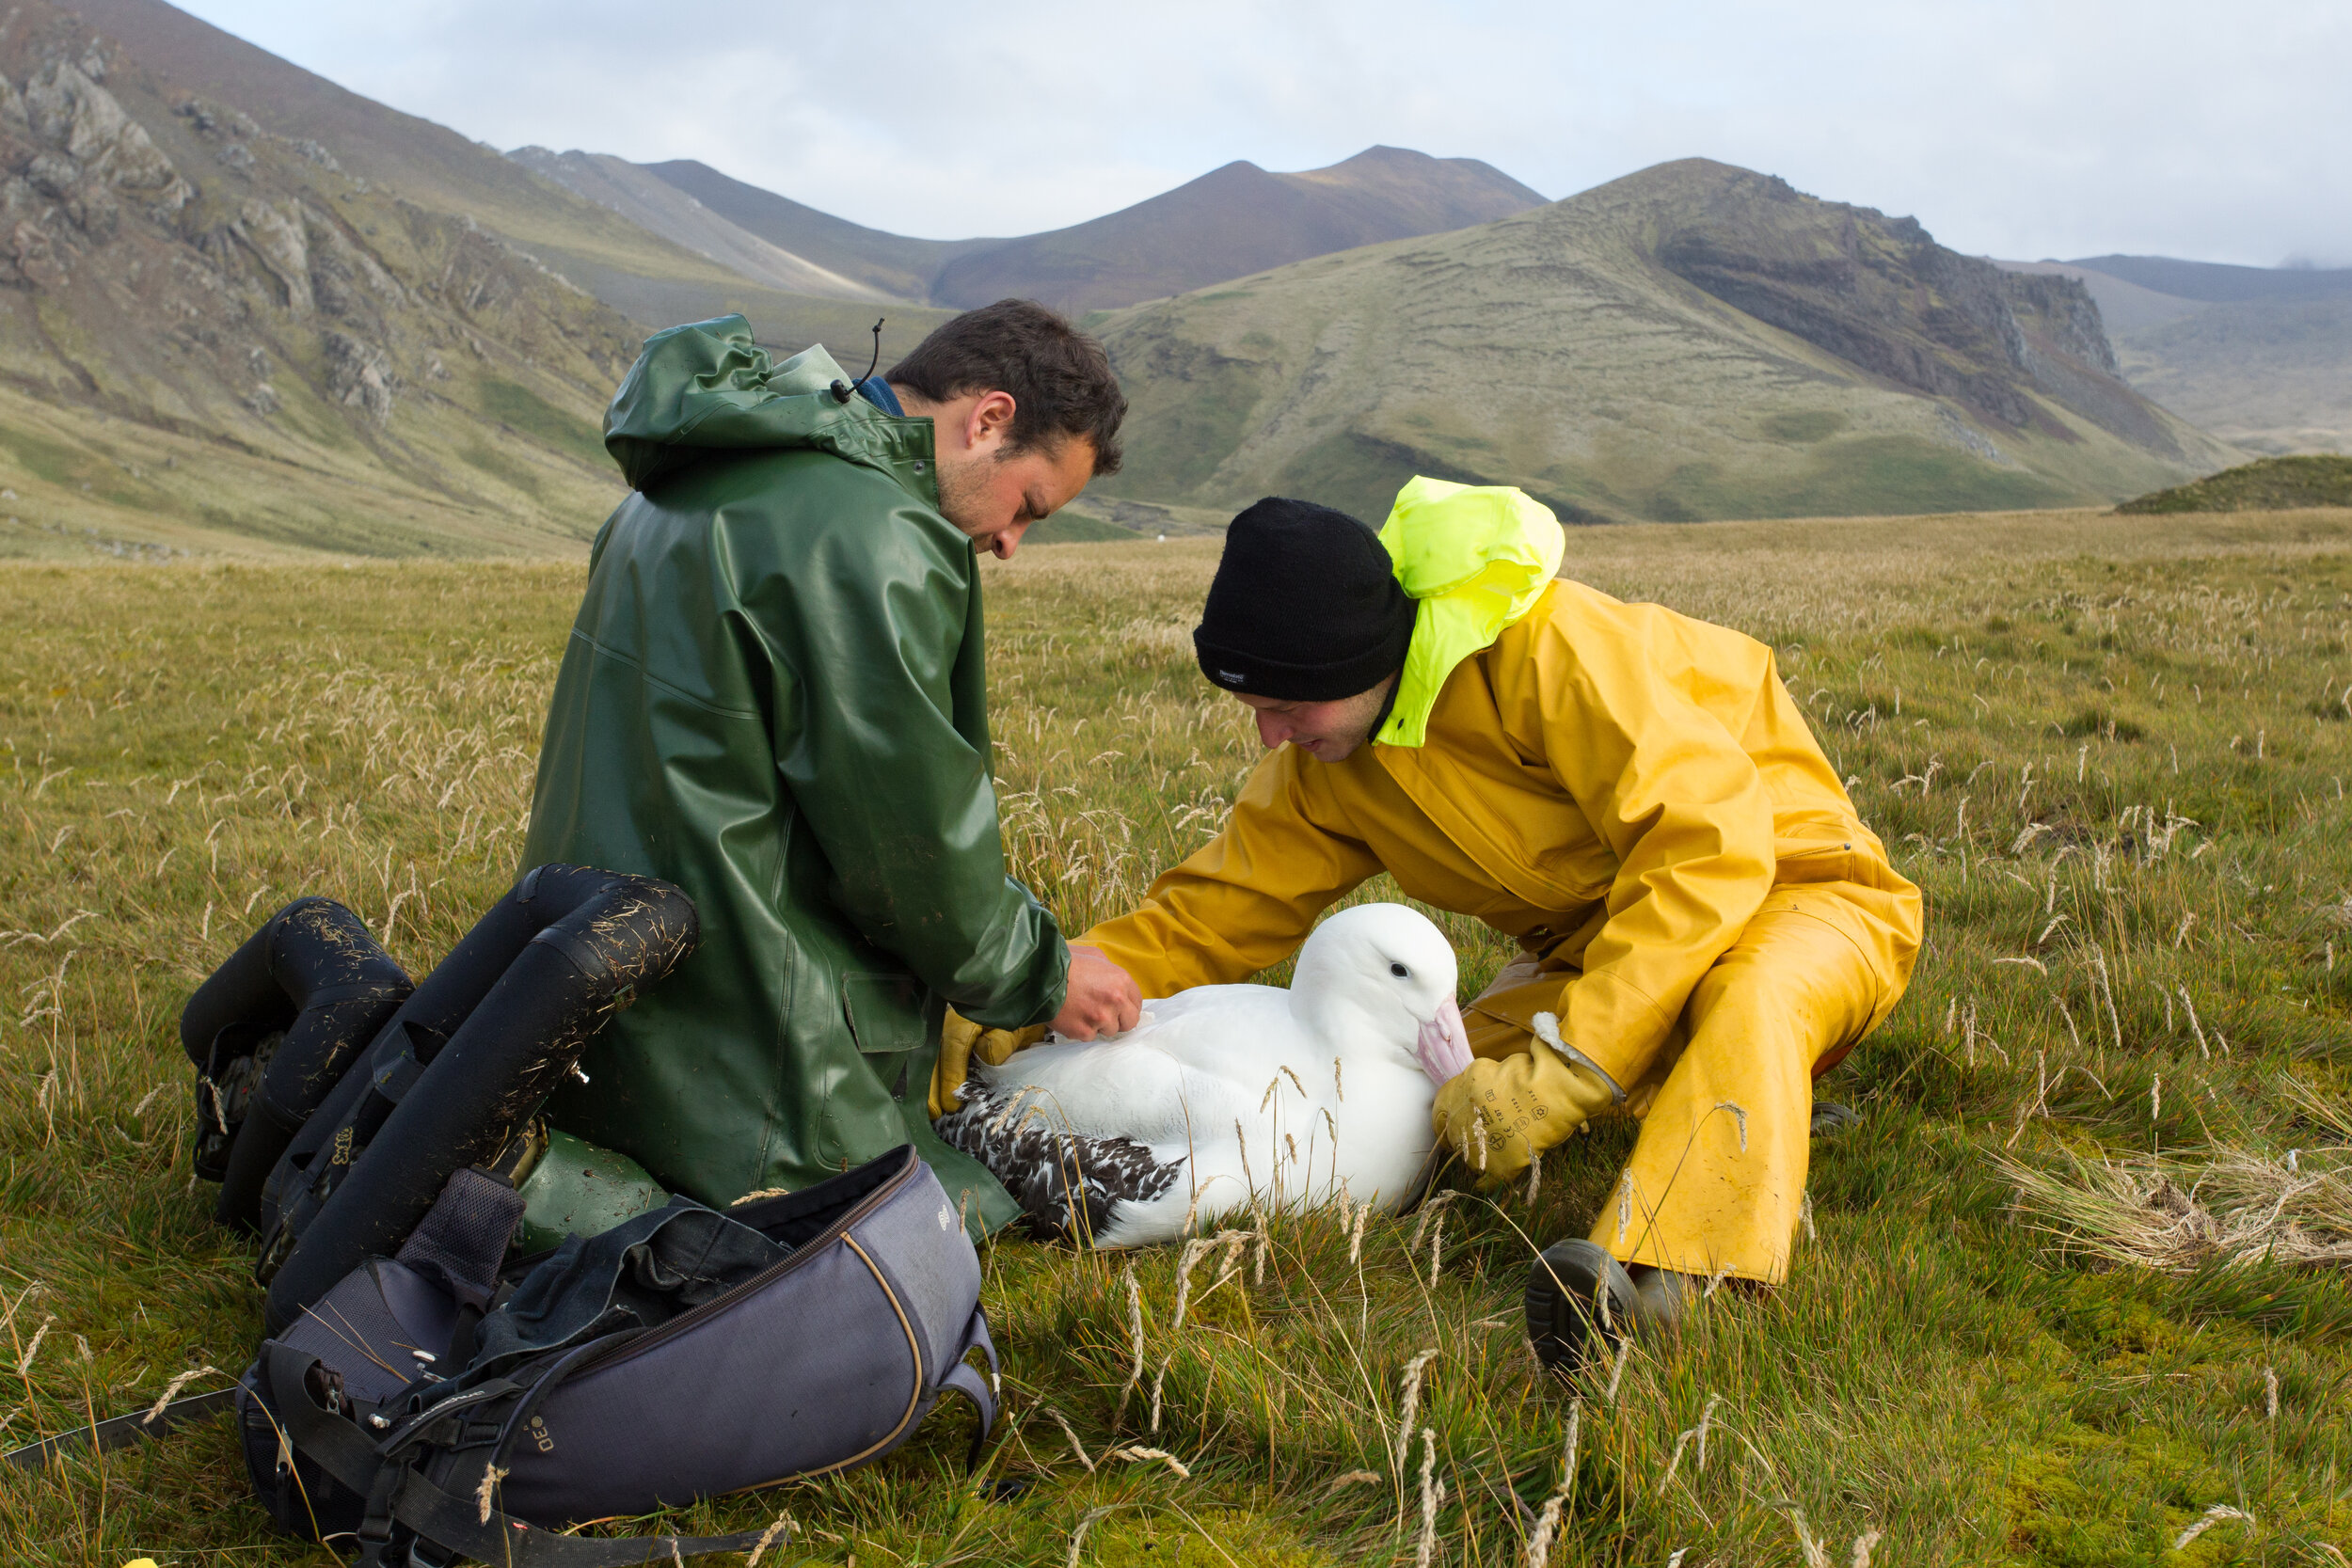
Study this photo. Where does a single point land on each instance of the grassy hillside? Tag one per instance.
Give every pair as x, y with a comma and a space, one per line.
217, 335
645, 199
893, 263
704, 264
1690, 341
652, 280
2062, 1298
2271, 484
214, 337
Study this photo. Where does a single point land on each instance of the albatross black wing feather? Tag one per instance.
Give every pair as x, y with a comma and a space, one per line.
1069, 1186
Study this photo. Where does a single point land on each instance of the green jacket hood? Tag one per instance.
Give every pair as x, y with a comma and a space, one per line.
707, 388
1476, 557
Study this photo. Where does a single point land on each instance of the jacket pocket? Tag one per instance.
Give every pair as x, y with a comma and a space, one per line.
886, 1012
1813, 859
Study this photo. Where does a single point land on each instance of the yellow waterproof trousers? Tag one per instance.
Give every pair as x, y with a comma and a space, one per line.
1716, 1183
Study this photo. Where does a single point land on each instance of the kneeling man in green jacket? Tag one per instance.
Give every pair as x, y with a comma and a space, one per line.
773, 698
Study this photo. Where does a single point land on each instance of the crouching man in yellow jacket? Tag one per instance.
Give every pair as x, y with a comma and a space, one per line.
1704, 923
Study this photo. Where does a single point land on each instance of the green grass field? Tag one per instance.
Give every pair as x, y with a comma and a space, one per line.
2079, 1284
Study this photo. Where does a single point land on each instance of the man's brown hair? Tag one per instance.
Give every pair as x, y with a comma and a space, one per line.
1060, 379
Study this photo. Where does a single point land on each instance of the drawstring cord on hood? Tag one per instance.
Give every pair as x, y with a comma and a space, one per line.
844, 391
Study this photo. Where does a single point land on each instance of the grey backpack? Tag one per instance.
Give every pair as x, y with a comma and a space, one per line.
430, 1411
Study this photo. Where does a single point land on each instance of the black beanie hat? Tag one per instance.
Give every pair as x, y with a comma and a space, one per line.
1305, 607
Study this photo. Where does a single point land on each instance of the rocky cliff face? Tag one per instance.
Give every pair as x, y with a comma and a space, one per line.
1879, 293
166, 264
77, 157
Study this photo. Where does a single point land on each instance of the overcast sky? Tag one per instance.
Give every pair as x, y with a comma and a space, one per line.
2030, 129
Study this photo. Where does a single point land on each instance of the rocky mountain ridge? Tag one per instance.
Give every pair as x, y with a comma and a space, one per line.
1693, 340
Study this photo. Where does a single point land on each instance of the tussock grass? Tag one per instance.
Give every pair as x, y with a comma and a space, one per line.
2114, 752
2227, 1206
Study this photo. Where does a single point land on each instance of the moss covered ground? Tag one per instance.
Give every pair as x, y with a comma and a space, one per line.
2113, 750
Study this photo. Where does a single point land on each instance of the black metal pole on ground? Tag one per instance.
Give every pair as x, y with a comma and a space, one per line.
122, 1430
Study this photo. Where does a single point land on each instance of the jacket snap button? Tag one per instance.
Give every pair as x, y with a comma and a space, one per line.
919, 465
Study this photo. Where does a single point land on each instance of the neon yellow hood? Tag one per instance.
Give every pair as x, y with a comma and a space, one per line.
1475, 557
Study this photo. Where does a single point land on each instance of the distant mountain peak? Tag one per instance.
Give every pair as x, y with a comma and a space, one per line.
1236, 219
643, 197
2218, 282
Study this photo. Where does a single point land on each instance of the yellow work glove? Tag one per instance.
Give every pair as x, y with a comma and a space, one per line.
1498, 1113
959, 1041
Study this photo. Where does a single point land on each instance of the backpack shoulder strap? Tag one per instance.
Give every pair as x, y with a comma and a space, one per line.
448, 1521
963, 1378
407, 1497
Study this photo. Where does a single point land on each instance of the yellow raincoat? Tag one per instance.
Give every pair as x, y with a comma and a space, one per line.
1633, 796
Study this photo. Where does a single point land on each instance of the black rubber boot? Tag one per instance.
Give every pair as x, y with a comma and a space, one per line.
1659, 1297
1831, 1118
1580, 1301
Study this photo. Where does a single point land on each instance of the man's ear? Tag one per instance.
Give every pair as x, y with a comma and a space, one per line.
990, 423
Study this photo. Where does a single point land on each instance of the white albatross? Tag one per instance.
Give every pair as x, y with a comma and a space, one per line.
1224, 1092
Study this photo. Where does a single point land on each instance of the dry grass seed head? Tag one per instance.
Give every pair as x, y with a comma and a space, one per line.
1432, 1493
1408, 1398
483, 1493
1139, 1455
1078, 1536
1135, 1332
1430, 1208
2217, 1514
1070, 1433
1815, 1556
24, 1362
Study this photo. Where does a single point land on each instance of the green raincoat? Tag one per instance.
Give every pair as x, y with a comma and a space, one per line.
773, 697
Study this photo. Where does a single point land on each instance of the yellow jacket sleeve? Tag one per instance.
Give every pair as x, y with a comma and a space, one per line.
1249, 897
1606, 701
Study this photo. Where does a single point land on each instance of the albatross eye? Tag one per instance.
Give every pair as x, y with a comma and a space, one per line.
1398, 970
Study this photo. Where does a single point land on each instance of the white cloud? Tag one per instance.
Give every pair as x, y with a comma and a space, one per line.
2008, 127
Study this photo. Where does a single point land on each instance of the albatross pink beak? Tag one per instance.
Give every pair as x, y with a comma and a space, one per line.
1444, 1044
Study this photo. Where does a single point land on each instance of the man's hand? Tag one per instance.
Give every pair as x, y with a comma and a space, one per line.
1102, 998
